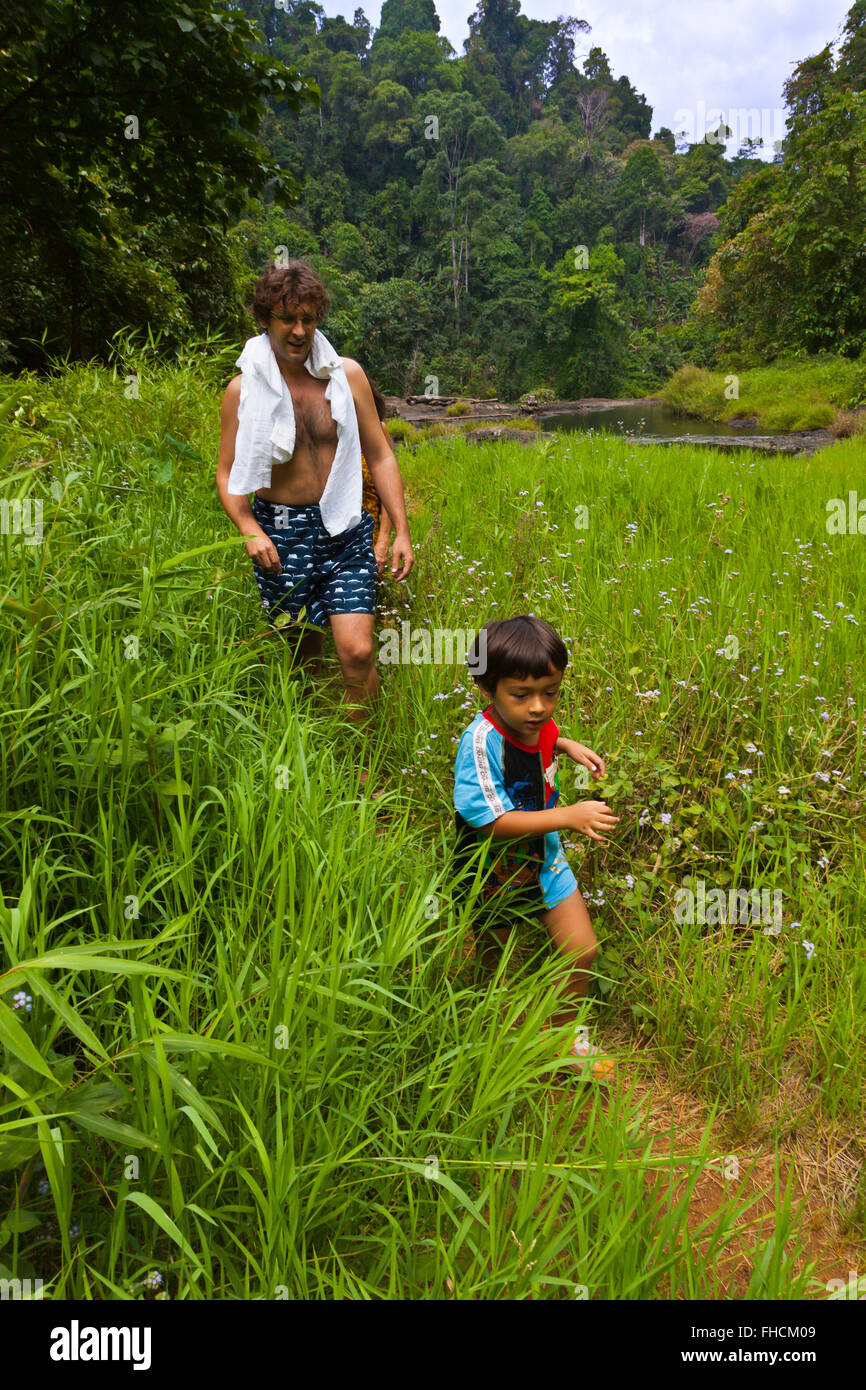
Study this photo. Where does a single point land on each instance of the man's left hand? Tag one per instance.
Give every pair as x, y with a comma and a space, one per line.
402, 556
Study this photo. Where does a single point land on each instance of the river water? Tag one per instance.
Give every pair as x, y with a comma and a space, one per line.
649, 421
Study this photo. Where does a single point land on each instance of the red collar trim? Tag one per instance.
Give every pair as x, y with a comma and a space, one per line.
527, 747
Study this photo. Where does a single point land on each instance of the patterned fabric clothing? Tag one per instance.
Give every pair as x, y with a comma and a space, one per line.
321, 574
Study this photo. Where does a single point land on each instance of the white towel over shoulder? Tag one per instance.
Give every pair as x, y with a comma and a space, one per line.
266, 428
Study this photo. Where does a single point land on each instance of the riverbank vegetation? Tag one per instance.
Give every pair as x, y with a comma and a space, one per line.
812, 393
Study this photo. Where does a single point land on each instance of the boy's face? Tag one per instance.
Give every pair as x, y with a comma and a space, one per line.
524, 703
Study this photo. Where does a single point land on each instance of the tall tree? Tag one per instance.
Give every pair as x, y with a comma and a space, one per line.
463, 133
851, 68
808, 87
793, 278
584, 323
641, 197
526, 56
399, 15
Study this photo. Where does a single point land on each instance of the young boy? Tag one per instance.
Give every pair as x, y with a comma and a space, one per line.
506, 788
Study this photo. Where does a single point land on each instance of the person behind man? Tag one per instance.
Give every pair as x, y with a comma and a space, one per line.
293, 428
370, 500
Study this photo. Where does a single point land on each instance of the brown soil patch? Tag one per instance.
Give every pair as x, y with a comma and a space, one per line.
822, 1161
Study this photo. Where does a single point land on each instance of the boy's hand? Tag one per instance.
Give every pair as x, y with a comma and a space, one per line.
583, 755
589, 817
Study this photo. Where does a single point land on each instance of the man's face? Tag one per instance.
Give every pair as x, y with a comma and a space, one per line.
524, 703
291, 330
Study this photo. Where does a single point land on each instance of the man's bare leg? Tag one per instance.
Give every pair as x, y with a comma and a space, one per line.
353, 638
308, 652
305, 649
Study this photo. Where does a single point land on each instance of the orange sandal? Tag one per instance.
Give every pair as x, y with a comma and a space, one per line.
588, 1059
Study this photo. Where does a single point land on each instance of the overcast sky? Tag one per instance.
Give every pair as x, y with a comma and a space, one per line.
684, 58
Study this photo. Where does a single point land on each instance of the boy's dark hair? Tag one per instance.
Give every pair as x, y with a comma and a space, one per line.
294, 283
517, 647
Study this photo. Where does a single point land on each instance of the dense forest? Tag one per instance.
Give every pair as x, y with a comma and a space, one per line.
499, 221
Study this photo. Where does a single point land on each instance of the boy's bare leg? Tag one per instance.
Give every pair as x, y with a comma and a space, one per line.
353, 638
487, 953
569, 925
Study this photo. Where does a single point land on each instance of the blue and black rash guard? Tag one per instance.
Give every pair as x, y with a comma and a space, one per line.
493, 774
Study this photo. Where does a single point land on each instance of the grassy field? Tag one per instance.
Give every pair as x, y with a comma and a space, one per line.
245, 1052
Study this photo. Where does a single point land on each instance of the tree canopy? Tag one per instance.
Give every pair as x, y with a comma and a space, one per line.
126, 135
502, 219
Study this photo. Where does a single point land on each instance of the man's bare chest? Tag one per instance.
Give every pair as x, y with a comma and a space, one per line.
314, 424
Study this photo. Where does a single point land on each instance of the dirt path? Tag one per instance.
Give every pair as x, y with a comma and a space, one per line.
823, 1160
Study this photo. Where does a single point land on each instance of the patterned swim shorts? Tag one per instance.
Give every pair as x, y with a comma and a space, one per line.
323, 574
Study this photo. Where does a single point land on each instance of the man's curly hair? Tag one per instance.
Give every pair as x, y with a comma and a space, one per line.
294, 283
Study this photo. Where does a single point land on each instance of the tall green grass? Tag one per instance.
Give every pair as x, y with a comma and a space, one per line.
257, 1062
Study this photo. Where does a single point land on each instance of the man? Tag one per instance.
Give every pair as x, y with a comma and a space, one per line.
280, 439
